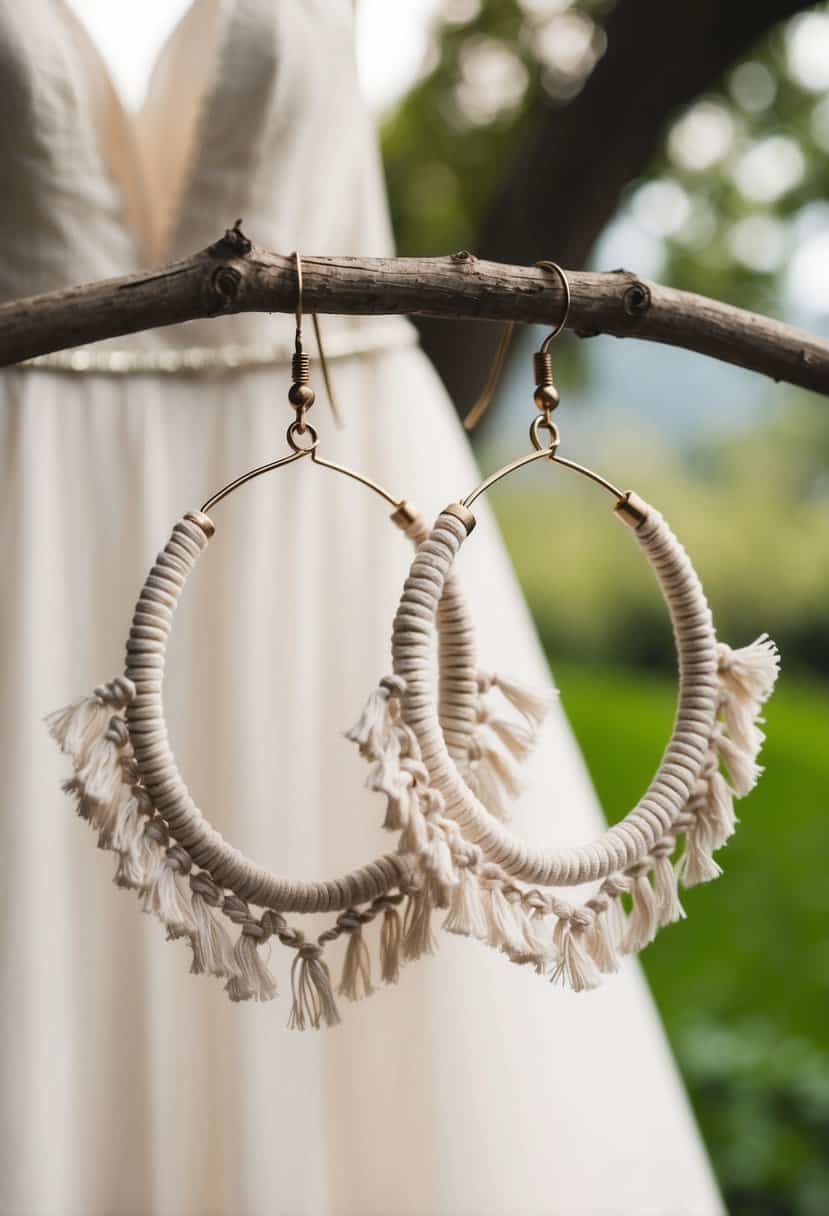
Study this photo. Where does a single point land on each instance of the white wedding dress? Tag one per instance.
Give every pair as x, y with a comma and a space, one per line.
128, 1086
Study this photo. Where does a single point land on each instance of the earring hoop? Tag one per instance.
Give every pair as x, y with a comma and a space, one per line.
127, 784
495, 885
433, 758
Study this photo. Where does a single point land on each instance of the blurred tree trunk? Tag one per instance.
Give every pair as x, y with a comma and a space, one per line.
566, 183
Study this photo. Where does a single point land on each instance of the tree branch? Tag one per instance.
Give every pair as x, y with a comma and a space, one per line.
566, 183
234, 276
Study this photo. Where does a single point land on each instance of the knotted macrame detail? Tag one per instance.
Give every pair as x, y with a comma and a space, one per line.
500, 744
570, 945
446, 773
499, 891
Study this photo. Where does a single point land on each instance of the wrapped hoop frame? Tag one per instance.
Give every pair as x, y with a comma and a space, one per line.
630, 840
453, 853
156, 765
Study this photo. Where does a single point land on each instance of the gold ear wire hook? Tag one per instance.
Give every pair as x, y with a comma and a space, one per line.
301, 396
302, 362
480, 407
326, 379
565, 283
298, 264
543, 363
546, 399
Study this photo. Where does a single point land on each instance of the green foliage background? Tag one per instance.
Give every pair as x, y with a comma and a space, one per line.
743, 983
444, 162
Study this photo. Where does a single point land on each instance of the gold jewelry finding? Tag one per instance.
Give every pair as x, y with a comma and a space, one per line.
546, 393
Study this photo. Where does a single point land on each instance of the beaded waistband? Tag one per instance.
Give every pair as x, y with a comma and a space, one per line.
215, 360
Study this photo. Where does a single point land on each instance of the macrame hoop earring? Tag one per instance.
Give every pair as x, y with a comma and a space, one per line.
710, 759
127, 785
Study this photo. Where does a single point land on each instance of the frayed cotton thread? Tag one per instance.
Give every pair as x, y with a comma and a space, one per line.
253, 980
313, 999
78, 726
574, 965
165, 896
212, 948
480, 901
499, 745
643, 921
747, 678
355, 982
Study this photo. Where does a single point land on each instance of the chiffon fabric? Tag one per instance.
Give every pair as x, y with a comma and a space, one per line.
129, 1086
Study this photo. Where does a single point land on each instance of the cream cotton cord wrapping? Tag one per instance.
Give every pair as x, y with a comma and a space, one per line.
444, 768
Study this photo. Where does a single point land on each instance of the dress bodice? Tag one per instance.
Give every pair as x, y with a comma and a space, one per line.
253, 110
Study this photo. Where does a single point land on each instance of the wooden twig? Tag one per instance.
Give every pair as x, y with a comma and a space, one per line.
235, 276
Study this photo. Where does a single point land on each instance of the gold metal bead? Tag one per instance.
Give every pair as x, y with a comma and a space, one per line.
202, 521
546, 397
632, 510
462, 513
404, 515
302, 396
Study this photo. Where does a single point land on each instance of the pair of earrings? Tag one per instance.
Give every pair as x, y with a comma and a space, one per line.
445, 760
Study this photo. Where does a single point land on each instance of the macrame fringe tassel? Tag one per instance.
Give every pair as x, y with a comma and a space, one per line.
397, 785
415, 835
750, 674
165, 898
466, 915
665, 887
78, 727
715, 809
390, 943
418, 938
492, 774
439, 868
743, 770
355, 983
696, 865
384, 776
371, 732
574, 965
747, 678
99, 786
517, 737
141, 856
102, 775
604, 938
533, 704
126, 823
537, 940
313, 1000
503, 928
643, 921
212, 948
253, 980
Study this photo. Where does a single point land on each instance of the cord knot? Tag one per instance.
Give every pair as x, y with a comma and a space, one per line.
179, 859
581, 918
202, 884
117, 732
118, 693
156, 830
725, 656
253, 928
